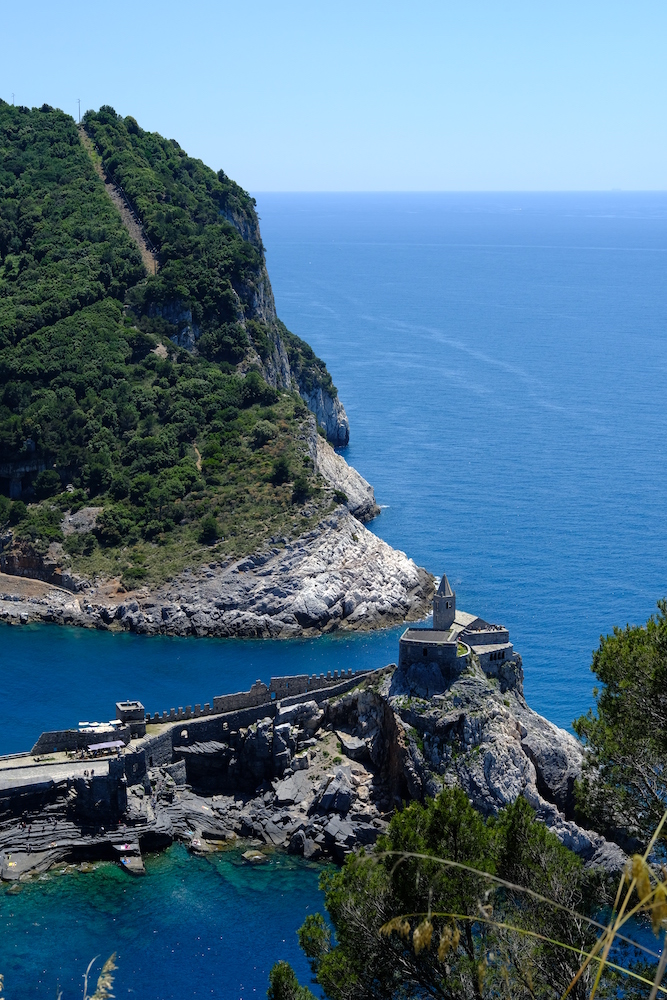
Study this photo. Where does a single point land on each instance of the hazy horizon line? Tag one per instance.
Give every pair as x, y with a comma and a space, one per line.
457, 191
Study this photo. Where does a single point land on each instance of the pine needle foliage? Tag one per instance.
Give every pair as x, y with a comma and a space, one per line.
283, 984
623, 790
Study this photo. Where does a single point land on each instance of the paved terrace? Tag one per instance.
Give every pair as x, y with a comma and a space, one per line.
24, 770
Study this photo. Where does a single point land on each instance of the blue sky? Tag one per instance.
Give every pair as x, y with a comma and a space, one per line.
341, 96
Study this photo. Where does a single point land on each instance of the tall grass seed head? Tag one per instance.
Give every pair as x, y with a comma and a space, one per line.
449, 941
422, 935
659, 908
640, 873
398, 924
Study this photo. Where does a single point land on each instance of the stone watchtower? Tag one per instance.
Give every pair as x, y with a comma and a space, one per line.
444, 606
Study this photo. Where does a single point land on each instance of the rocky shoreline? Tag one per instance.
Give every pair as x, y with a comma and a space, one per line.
336, 575
317, 775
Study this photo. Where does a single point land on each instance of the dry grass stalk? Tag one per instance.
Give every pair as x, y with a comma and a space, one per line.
638, 879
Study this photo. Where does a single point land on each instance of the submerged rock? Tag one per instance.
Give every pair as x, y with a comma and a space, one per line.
254, 857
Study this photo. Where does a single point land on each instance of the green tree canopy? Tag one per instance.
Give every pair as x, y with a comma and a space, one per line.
447, 931
94, 388
624, 786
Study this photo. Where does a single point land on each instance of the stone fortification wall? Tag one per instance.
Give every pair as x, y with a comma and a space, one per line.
74, 739
228, 713
104, 790
486, 637
260, 694
158, 749
284, 687
39, 790
423, 652
337, 689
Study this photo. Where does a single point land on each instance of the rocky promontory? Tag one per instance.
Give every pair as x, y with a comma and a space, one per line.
317, 774
337, 575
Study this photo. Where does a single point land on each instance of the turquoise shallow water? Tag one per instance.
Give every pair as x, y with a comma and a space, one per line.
503, 361
191, 927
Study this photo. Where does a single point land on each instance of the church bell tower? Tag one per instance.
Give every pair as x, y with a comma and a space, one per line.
444, 606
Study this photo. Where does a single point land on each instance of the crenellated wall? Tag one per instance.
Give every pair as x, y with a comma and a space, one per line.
259, 694
241, 709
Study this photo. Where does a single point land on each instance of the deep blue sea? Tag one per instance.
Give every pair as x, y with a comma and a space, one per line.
503, 362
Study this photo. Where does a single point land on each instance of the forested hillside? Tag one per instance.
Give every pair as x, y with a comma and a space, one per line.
164, 400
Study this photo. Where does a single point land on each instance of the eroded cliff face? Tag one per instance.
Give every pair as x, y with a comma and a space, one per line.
359, 494
481, 735
254, 301
330, 414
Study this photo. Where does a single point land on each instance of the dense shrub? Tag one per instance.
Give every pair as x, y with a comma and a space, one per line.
263, 432
208, 532
47, 484
281, 471
301, 489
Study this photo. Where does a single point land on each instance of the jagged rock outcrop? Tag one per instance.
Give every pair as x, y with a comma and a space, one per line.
330, 414
276, 365
481, 735
315, 777
20, 558
187, 331
245, 223
360, 495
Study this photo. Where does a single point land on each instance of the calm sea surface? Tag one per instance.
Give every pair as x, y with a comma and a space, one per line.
503, 362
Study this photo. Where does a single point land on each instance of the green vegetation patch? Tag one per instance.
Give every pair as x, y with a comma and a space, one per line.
62, 242
185, 454
437, 910
176, 452
206, 233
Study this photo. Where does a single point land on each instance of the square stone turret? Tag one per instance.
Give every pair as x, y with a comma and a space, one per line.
130, 711
444, 606
132, 714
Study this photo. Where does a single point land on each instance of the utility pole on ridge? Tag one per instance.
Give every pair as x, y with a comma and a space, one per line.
78, 101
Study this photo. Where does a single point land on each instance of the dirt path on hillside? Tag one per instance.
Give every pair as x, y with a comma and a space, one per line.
130, 220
